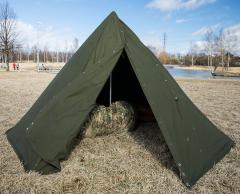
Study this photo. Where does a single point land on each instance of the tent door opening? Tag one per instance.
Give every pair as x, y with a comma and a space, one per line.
123, 85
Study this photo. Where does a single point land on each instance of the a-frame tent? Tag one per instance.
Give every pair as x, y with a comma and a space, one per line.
45, 134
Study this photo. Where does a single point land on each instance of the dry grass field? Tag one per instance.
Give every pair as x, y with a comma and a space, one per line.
136, 162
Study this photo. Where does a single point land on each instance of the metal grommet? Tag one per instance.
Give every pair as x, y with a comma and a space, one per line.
179, 164
176, 98
32, 123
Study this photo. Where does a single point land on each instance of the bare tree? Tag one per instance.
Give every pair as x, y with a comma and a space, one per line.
194, 49
8, 33
231, 45
164, 57
27, 52
45, 54
226, 43
34, 52
75, 44
209, 40
18, 48
62, 56
66, 51
220, 46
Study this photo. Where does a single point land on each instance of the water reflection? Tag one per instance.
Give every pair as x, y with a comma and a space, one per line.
175, 71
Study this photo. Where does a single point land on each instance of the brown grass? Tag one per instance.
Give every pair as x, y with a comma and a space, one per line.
135, 162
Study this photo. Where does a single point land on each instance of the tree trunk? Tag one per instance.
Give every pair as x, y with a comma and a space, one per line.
228, 61
211, 61
223, 67
7, 61
46, 56
192, 60
208, 61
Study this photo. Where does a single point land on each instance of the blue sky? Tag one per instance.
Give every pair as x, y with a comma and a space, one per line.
57, 22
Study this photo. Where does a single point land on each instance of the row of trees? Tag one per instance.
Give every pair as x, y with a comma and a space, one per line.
217, 49
36, 54
198, 59
8, 35
11, 48
219, 45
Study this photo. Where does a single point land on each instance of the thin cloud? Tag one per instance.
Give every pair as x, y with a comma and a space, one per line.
199, 46
152, 40
167, 17
44, 36
171, 5
202, 31
180, 21
235, 29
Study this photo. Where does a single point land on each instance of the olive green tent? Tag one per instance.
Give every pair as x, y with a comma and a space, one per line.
45, 134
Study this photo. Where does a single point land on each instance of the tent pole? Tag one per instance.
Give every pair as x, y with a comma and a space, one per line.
110, 90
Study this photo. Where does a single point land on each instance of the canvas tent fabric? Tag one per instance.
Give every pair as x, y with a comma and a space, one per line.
44, 136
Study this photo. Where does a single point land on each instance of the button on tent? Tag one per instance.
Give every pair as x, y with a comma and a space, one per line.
59, 113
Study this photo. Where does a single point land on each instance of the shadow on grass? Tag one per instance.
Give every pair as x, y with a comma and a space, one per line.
149, 136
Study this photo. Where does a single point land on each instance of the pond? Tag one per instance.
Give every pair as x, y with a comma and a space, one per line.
176, 71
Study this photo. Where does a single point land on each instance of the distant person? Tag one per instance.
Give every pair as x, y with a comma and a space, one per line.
18, 66
14, 66
44, 68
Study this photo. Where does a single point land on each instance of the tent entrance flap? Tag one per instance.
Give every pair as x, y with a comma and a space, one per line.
123, 85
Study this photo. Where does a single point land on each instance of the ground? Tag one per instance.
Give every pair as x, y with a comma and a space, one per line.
136, 162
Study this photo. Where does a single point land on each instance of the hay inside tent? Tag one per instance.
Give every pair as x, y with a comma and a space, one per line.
103, 120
